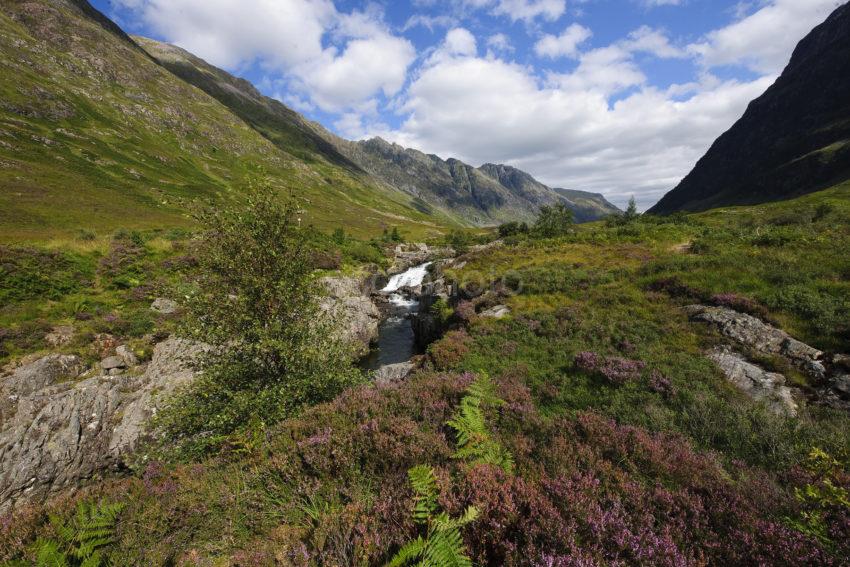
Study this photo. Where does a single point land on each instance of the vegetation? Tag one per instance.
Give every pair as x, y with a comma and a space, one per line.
257, 303
80, 541
442, 545
553, 221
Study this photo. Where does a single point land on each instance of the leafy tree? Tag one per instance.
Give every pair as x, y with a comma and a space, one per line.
275, 349
631, 213
553, 221
80, 541
442, 544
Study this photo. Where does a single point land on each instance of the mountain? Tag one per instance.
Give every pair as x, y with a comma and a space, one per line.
95, 133
469, 196
794, 139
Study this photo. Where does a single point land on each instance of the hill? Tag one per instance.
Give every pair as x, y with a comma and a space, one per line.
792, 140
482, 196
94, 133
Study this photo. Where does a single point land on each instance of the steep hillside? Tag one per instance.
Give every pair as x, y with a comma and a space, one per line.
480, 197
792, 140
483, 196
95, 134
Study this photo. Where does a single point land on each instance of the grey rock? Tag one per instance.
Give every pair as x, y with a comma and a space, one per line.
62, 434
59, 335
111, 362
127, 355
758, 335
842, 361
756, 382
349, 299
841, 382
497, 312
164, 306
408, 255
35, 376
393, 372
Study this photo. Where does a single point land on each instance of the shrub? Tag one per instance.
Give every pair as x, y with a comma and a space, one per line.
257, 303
513, 229
449, 351
553, 221
615, 370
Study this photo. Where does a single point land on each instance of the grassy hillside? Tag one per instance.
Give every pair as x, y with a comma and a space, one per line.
628, 445
95, 134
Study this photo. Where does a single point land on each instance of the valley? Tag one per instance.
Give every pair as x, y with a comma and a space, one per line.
230, 336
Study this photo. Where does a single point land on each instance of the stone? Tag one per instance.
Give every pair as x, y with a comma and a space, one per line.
758, 335
841, 382
127, 355
104, 344
111, 362
34, 376
841, 360
350, 300
61, 434
497, 312
164, 306
60, 335
756, 382
392, 372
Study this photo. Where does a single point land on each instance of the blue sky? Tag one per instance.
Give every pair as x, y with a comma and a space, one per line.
618, 97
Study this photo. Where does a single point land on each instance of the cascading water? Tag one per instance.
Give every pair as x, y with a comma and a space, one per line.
396, 342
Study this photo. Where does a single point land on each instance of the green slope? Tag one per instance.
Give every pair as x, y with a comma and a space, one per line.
95, 134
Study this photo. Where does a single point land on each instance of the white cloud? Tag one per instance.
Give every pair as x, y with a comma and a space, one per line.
524, 10
460, 41
763, 40
338, 60
500, 42
564, 45
566, 131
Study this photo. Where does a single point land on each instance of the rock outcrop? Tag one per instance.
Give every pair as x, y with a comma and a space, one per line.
349, 298
405, 256
767, 387
761, 337
58, 430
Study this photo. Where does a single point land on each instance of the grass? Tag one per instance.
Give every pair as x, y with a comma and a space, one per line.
94, 134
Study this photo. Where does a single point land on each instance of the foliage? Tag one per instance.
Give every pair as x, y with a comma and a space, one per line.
825, 500
553, 221
513, 229
474, 440
256, 302
81, 541
442, 545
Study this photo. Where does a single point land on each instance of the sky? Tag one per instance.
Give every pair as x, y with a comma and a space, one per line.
619, 97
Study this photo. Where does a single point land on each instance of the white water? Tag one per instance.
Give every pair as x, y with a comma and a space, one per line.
410, 278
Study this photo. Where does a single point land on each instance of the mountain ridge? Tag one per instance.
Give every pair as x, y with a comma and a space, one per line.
792, 140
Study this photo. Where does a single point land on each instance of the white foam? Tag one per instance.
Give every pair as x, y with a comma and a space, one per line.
410, 278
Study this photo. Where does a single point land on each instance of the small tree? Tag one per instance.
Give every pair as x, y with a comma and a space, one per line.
257, 304
553, 221
631, 213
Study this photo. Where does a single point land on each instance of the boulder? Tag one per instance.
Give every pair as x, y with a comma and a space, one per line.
60, 434
842, 361
758, 335
164, 306
841, 383
127, 355
112, 362
59, 335
392, 372
497, 312
756, 382
351, 302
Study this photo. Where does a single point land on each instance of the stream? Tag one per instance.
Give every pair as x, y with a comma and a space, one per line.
396, 342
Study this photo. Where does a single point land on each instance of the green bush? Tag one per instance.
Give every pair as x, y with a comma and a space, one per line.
256, 302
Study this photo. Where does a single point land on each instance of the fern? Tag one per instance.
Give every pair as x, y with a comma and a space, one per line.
442, 545
474, 441
80, 541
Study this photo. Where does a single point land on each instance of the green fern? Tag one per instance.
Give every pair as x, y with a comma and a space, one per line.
80, 541
442, 545
474, 441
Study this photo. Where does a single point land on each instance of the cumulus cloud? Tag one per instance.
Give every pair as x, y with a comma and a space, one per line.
563, 45
763, 40
565, 129
522, 10
338, 60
